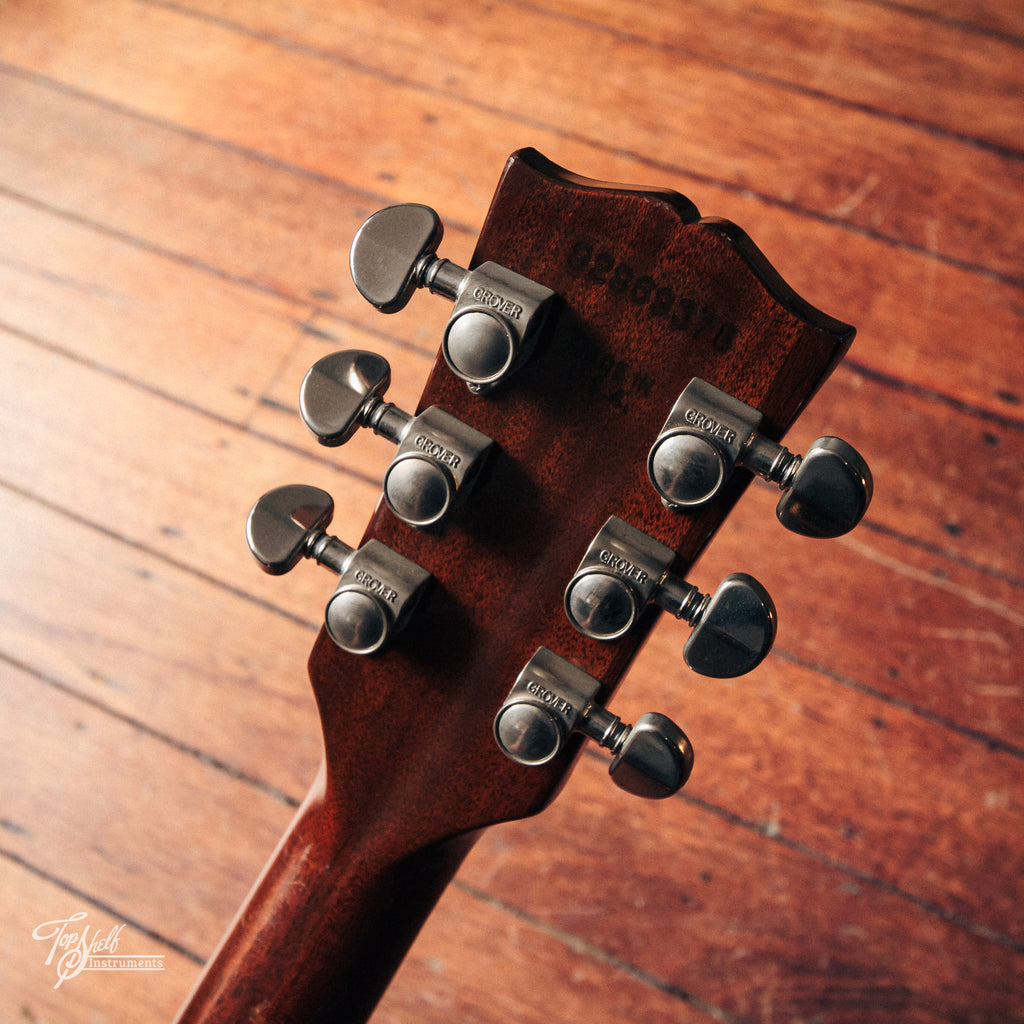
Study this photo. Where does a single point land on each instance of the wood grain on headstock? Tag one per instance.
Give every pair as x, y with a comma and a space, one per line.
651, 296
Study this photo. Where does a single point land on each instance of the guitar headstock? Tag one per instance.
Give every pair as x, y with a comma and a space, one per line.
552, 484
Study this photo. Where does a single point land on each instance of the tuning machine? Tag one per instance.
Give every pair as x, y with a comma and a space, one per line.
498, 314
708, 433
377, 590
552, 698
439, 457
624, 570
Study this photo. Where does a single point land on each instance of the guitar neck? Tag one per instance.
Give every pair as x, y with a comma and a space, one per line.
326, 926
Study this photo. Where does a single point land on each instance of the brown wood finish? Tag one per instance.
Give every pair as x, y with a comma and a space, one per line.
178, 187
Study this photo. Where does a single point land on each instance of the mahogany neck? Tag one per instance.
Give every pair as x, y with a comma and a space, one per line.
326, 926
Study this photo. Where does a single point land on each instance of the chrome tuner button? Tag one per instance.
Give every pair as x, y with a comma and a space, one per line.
498, 314
552, 698
830, 490
699, 445
357, 620
624, 570
733, 629
708, 433
655, 760
378, 589
419, 490
479, 347
439, 457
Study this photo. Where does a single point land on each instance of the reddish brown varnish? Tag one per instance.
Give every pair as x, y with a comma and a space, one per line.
651, 297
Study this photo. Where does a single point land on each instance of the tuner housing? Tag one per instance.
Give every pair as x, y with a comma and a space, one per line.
624, 569
439, 458
700, 443
378, 589
619, 575
498, 317
709, 432
552, 698
377, 593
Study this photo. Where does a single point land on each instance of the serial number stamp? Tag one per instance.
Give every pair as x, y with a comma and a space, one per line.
657, 300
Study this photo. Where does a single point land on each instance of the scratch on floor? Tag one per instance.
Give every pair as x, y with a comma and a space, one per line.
920, 576
1008, 692
974, 636
857, 197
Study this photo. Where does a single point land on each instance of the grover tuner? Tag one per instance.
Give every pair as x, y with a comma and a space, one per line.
438, 458
708, 433
377, 587
498, 314
624, 570
552, 698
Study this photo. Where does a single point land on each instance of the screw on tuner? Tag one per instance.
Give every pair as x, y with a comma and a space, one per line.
552, 698
624, 570
439, 457
377, 590
708, 433
498, 315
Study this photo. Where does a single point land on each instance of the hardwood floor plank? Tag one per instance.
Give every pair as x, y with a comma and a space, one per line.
880, 613
951, 500
982, 16
241, 215
137, 457
182, 331
132, 848
911, 175
527, 974
295, 242
838, 771
214, 696
776, 933
886, 58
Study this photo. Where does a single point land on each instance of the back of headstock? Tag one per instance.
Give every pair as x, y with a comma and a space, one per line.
650, 297
647, 297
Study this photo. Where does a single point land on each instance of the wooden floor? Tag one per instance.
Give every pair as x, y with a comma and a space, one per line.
179, 184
